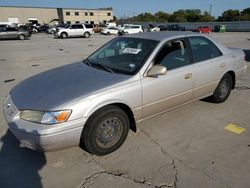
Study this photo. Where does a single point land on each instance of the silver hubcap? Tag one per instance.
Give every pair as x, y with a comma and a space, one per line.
109, 132
224, 88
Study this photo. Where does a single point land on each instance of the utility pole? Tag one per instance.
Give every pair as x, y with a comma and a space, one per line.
210, 9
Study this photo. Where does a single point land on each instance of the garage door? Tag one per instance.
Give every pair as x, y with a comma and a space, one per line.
13, 20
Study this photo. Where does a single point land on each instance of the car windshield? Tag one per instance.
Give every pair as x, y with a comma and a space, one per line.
123, 54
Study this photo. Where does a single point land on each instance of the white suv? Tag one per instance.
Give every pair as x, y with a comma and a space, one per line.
131, 29
76, 30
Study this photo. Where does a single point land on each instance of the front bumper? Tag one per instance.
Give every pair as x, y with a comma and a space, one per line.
42, 137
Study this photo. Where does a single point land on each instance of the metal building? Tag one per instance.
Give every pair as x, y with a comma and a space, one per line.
42, 15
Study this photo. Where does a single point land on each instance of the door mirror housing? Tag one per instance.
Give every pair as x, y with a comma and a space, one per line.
157, 70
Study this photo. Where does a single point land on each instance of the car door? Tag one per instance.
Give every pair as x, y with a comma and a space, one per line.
2, 33
208, 65
172, 89
12, 32
73, 30
79, 30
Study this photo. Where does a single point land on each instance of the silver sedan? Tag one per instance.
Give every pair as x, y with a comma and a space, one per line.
95, 102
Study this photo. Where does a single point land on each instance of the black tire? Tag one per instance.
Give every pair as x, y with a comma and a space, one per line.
52, 32
108, 33
86, 35
21, 37
223, 89
105, 131
64, 35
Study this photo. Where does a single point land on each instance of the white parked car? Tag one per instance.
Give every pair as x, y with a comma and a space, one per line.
54, 29
155, 29
76, 30
110, 24
110, 31
131, 29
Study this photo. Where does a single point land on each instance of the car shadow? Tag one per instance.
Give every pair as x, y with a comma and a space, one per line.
19, 166
247, 52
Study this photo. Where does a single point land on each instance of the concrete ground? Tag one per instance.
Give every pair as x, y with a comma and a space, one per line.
186, 147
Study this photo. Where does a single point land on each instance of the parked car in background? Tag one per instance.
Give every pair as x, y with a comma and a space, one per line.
26, 28
96, 101
110, 31
176, 27
163, 27
76, 30
53, 29
111, 24
42, 28
130, 29
153, 28
220, 28
2, 26
14, 33
204, 29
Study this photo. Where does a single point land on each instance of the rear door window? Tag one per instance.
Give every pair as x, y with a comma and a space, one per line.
203, 49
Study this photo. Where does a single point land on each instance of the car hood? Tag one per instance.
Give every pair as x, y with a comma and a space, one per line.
55, 87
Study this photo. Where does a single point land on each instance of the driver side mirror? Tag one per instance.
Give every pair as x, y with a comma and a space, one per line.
157, 70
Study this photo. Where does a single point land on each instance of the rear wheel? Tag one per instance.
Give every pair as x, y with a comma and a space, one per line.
108, 33
21, 37
105, 131
223, 89
53, 32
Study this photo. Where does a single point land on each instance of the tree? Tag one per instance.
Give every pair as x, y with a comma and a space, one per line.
245, 15
193, 15
206, 17
162, 16
114, 18
145, 17
178, 16
230, 15
246, 11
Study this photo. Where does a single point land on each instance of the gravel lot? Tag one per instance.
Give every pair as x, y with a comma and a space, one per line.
186, 147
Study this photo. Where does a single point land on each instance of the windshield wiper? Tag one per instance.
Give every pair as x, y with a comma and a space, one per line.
87, 62
104, 67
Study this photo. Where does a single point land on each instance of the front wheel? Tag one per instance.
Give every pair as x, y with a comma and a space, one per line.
21, 37
105, 131
223, 89
86, 35
64, 35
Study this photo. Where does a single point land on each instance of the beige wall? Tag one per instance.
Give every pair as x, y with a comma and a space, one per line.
45, 15
99, 16
23, 14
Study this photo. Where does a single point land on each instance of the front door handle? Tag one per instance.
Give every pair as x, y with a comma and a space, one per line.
188, 76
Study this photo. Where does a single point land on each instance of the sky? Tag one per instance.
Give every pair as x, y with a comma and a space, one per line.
126, 8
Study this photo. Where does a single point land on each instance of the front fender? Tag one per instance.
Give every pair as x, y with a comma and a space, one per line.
101, 104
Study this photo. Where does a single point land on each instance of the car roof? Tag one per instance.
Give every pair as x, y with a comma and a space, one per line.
163, 35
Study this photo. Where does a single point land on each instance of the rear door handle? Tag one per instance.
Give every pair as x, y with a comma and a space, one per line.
188, 76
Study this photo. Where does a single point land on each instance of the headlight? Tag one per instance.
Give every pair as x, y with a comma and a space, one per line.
42, 117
